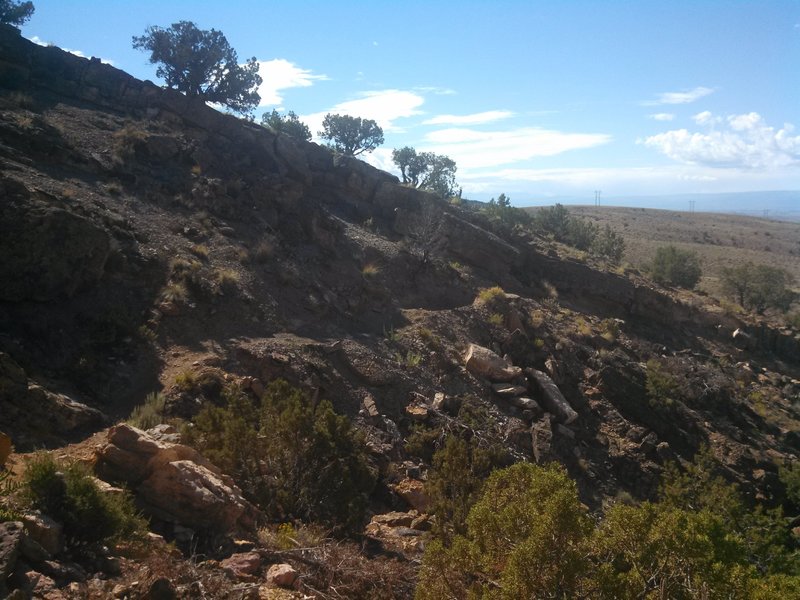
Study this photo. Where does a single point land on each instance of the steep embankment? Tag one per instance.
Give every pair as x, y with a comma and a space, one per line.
145, 236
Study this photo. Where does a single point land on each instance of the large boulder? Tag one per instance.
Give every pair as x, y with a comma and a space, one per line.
482, 362
174, 482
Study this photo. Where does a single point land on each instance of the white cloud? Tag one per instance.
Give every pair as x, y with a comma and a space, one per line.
740, 141
280, 74
662, 116
473, 149
40, 42
384, 107
437, 91
684, 97
473, 119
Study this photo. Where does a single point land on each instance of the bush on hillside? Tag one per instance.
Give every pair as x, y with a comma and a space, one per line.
673, 266
758, 287
68, 494
293, 457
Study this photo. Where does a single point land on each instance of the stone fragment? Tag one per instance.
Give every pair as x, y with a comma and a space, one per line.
245, 564
417, 412
552, 398
482, 362
282, 575
526, 404
413, 492
509, 390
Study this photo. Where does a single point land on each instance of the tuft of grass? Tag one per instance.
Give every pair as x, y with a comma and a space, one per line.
370, 270
537, 318
174, 292
200, 251
538, 343
490, 295
583, 327
390, 334
410, 360
496, 319
149, 413
610, 329
226, 279
186, 381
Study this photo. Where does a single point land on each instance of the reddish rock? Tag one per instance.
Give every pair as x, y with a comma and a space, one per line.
482, 362
282, 575
243, 564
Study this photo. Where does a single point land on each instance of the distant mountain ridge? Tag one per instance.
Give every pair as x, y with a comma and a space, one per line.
784, 205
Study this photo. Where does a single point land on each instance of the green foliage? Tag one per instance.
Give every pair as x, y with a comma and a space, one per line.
426, 170
673, 266
527, 536
523, 540
503, 215
295, 458
790, 477
491, 296
68, 494
351, 135
553, 220
7, 489
15, 13
579, 233
149, 413
290, 124
458, 471
201, 63
662, 387
609, 244
758, 287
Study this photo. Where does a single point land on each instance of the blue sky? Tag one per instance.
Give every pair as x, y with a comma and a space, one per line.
534, 99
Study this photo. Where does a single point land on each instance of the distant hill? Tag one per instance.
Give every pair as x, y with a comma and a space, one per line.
783, 205
722, 240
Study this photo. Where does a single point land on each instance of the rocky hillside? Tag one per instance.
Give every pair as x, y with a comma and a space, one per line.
149, 241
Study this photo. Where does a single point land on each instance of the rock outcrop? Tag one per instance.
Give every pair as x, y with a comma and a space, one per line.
174, 482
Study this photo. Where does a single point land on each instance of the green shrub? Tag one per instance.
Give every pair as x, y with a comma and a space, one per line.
662, 387
673, 266
295, 458
490, 296
68, 494
7, 489
790, 477
149, 413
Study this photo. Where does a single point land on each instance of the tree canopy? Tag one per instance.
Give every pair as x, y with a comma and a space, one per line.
758, 287
426, 170
289, 124
351, 135
15, 13
673, 266
201, 63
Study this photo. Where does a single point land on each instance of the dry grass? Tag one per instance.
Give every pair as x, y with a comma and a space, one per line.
720, 240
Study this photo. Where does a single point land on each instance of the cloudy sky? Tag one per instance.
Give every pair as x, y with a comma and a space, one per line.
531, 98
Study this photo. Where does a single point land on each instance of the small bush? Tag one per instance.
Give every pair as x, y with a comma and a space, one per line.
662, 387
226, 279
411, 359
490, 296
149, 413
200, 251
68, 494
186, 381
496, 319
673, 266
7, 490
296, 459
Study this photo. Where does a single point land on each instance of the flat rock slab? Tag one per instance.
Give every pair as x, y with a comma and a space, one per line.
482, 362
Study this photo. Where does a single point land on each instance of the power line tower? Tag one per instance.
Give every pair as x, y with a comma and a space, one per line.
691, 206
597, 197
